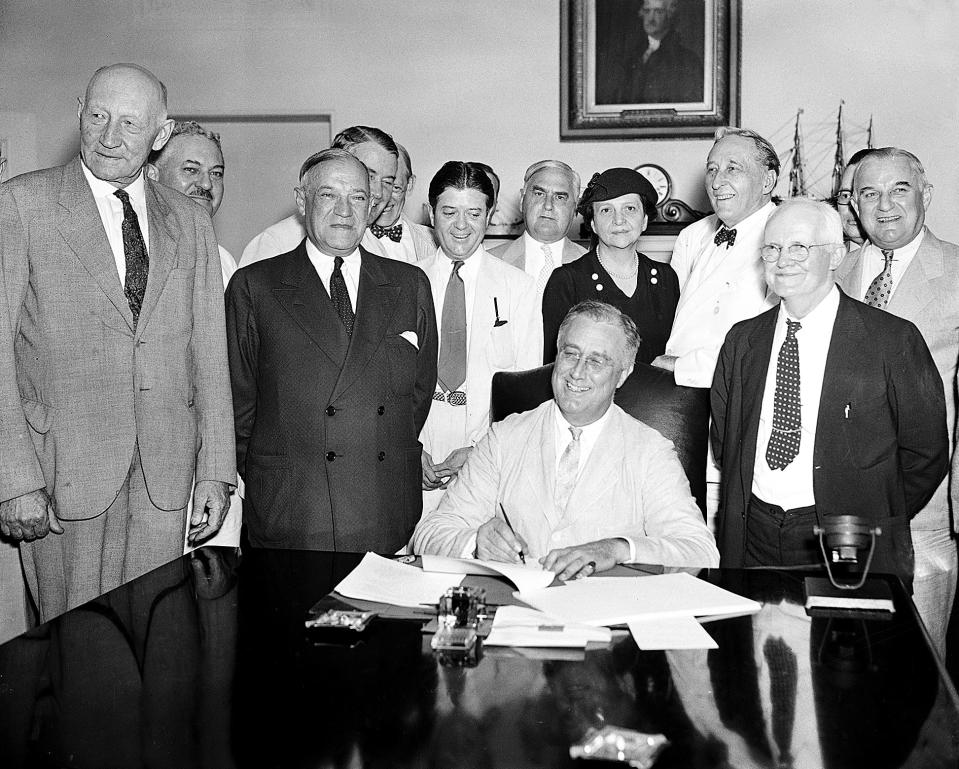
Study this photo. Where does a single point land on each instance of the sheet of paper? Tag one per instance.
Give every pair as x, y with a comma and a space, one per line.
386, 581
670, 633
524, 627
616, 600
525, 577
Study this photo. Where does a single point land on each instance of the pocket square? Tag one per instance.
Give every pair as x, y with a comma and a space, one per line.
410, 336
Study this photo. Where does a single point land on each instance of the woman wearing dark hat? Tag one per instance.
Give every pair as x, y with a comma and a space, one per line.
616, 204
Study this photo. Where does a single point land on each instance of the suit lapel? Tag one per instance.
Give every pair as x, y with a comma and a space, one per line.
917, 285
376, 299
164, 239
542, 484
755, 369
301, 294
78, 221
849, 272
515, 253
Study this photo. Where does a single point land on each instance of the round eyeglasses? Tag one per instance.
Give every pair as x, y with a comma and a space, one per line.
798, 252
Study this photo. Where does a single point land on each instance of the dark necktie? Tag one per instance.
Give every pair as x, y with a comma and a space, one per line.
783, 443
340, 295
394, 233
879, 291
135, 253
451, 370
783, 679
725, 235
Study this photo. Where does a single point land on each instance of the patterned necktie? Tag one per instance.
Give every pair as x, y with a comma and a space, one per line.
451, 369
568, 470
137, 259
783, 443
783, 680
546, 271
341, 296
725, 235
879, 291
394, 233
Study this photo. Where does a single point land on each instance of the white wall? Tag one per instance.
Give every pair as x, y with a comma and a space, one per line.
479, 81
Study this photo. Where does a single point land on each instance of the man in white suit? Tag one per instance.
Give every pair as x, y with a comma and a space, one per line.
486, 318
907, 271
549, 197
584, 485
400, 238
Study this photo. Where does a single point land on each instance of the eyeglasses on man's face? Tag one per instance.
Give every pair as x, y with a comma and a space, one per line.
594, 363
844, 197
798, 252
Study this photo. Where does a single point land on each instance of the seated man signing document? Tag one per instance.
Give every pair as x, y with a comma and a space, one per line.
584, 486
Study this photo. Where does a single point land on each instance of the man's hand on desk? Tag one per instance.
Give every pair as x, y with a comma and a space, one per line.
496, 541
30, 516
211, 501
584, 560
667, 362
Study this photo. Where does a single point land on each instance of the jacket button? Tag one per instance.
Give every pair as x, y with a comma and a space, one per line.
330, 411
330, 456
381, 456
381, 411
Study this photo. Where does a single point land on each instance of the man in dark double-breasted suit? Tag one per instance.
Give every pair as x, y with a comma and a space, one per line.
865, 434
333, 362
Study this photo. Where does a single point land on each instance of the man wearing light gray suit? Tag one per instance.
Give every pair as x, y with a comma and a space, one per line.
114, 386
549, 196
576, 483
907, 271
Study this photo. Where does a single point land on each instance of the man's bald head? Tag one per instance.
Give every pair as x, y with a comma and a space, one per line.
123, 118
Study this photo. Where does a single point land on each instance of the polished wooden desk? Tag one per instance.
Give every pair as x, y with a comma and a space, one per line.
207, 663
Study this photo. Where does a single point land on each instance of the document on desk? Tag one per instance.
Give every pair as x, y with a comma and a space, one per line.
670, 633
616, 600
524, 576
386, 581
524, 627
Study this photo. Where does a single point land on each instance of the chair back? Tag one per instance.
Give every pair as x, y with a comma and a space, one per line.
650, 395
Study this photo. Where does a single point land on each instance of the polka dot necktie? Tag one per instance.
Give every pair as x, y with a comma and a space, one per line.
783, 443
341, 295
879, 291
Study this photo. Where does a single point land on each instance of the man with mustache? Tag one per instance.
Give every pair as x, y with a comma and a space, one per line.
192, 162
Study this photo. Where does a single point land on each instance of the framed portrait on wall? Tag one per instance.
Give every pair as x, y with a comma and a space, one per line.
648, 68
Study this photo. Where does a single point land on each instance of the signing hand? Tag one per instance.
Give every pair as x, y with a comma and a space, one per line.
30, 516
496, 541
211, 500
667, 362
584, 560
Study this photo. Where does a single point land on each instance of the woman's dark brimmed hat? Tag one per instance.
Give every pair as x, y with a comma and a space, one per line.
613, 183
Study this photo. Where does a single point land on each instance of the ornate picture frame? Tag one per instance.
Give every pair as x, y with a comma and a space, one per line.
655, 69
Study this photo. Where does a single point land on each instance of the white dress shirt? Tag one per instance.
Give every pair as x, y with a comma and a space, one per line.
323, 264
873, 263
792, 486
536, 258
111, 214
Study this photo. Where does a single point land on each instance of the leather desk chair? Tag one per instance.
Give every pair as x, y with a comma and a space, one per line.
650, 395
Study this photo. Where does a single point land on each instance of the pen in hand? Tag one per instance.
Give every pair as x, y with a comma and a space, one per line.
522, 555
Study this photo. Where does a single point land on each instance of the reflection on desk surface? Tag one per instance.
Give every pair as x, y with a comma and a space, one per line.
206, 662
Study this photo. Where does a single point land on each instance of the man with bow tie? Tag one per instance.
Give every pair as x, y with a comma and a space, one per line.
400, 238
717, 262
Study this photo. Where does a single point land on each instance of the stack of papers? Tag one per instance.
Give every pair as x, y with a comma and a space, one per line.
524, 576
385, 581
521, 626
660, 610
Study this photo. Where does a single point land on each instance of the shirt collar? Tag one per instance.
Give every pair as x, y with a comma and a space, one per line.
756, 221
820, 317
903, 253
531, 243
471, 265
589, 430
313, 252
101, 189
